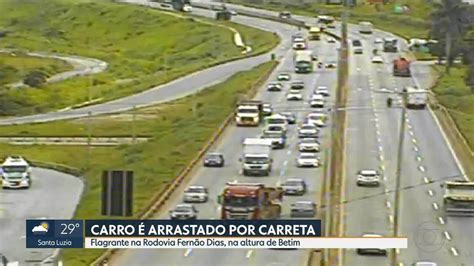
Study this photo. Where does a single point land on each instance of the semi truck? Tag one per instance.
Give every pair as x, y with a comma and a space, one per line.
390, 45
257, 157
401, 67
314, 33
417, 98
303, 61
15, 172
459, 198
249, 113
248, 201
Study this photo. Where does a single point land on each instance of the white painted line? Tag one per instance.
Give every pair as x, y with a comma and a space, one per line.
22, 237
278, 183
430, 192
387, 203
386, 191
400, 264
435, 206
426, 180
390, 218
188, 251
418, 158
384, 178
454, 251
447, 235
382, 166
379, 139
288, 152
358, 69
413, 140
249, 254
397, 250
411, 133
415, 148
441, 220
421, 168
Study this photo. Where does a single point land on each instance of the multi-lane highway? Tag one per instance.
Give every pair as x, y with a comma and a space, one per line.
53, 195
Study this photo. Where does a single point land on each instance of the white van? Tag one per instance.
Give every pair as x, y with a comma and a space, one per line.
365, 27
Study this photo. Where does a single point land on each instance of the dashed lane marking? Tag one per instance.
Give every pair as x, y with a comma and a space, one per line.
388, 204
447, 235
421, 168
430, 192
380, 148
426, 180
413, 140
411, 133
435, 206
288, 152
249, 254
390, 218
188, 252
418, 158
441, 220
454, 251
415, 148
386, 191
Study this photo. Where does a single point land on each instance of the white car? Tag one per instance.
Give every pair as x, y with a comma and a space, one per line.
294, 95
196, 194
317, 97
274, 86
307, 160
377, 59
308, 131
294, 186
331, 40
187, 8
378, 40
316, 103
284, 77
317, 119
368, 178
372, 251
308, 145
323, 90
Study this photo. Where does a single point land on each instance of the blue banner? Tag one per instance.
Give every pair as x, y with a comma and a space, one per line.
54, 234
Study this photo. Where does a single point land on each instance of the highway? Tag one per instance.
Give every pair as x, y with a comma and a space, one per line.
284, 167
53, 195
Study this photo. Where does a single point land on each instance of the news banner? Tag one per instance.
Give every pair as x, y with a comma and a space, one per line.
130, 234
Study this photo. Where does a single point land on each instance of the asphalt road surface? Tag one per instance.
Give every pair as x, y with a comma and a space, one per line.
53, 195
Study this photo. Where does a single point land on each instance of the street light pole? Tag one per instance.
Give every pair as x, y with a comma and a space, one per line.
398, 176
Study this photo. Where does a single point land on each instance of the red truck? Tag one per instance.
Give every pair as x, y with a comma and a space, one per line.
247, 201
401, 67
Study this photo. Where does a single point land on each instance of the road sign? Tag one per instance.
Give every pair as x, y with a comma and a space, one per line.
117, 193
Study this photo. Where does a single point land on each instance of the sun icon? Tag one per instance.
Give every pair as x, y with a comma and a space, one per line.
45, 225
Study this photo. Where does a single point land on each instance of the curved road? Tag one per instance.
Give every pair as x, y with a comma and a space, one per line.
53, 195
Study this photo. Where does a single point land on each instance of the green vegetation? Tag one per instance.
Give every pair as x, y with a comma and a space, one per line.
458, 98
144, 48
411, 24
14, 67
179, 131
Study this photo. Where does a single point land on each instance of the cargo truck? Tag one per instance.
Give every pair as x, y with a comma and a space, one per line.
314, 33
249, 113
248, 201
416, 98
303, 61
459, 198
257, 157
390, 45
401, 67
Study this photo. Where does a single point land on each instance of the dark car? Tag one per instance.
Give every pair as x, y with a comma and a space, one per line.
372, 251
184, 212
290, 117
284, 14
297, 85
214, 159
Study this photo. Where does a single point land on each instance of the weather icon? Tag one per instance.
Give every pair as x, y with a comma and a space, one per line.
41, 229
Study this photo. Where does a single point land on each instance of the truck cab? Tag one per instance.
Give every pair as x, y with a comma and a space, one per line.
248, 113
401, 67
16, 172
246, 201
390, 45
257, 157
416, 98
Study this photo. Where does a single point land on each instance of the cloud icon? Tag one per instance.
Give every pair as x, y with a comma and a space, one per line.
42, 228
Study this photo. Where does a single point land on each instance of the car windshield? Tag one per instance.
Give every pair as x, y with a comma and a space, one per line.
307, 156
287, 114
297, 83
235, 201
14, 169
274, 84
274, 129
308, 141
294, 92
256, 160
293, 183
303, 205
195, 190
272, 135
276, 121
316, 116
213, 156
248, 111
308, 127
356, 43
183, 209
285, 75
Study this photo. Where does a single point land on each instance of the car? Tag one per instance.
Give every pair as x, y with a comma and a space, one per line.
308, 145
371, 251
378, 40
377, 59
214, 159
331, 64
308, 131
290, 117
183, 212
297, 85
331, 40
197, 194
368, 178
317, 119
306, 159
277, 120
315, 97
284, 76
294, 95
278, 139
233, 12
274, 86
314, 57
303, 208
284, 14
323, 90
316, 103
294, 186
424, 263
267, 109
273, 128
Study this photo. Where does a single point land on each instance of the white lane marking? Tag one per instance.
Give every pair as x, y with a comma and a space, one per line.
359, 89
386, 191
430, 192
441, 220
409, 126
422, 168
388, 204
379, 139
411, 133
454, 251
188, 252
390, 218
384, 178
413, 140
380, 148
249, 254
435, 206
397, 250
382, 166
285, 163
288, 152
426, 180
415, 148
447, 235
418, 158
358, 69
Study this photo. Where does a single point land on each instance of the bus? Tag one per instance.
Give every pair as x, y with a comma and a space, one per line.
303, 61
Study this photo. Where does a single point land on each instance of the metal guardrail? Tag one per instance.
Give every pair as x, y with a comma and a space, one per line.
79, 141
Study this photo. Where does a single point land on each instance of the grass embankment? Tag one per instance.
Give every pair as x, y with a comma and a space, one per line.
452, 92
179, 132
412, 24
14, 67
144, 47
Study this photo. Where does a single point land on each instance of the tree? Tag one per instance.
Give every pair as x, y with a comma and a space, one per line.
450, 21
35, 78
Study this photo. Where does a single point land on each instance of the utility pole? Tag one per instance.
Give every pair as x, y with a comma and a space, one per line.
89, 139
134, 135
398, 175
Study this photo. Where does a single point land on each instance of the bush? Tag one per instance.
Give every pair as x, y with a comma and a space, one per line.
35, 78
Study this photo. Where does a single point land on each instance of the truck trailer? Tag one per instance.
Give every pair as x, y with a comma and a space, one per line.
459, 198
247, 201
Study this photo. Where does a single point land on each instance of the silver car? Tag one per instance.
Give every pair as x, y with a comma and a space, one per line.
294, 186
308, 145
323, 90
368, 178
308, 131
371, 251
307, 160
184, 212
303, 209
197, 194
284, 77
294, 95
